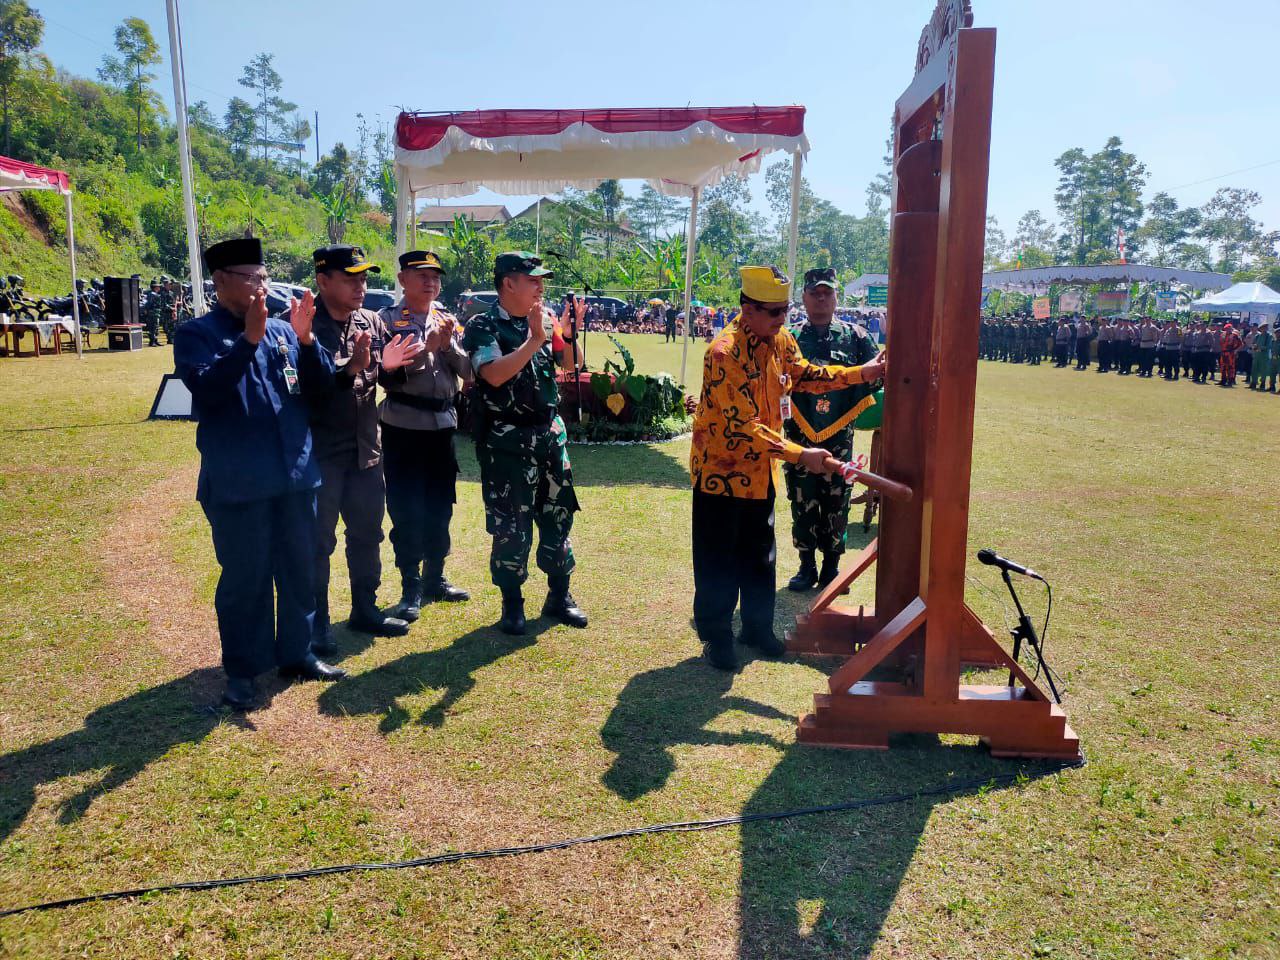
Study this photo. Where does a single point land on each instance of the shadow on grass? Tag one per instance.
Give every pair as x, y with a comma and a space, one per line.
606, 466
811, 886
450, 670
119, 739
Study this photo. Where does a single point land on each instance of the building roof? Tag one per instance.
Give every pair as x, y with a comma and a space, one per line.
621, 226
477, 213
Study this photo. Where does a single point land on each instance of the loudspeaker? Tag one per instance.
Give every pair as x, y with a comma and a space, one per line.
121, 300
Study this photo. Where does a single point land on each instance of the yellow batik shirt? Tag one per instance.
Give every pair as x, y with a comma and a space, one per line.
737, 430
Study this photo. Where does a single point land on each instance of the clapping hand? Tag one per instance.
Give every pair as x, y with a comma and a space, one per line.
301, 314
537, 326
361, 353
447, 327
400, 351
255, 318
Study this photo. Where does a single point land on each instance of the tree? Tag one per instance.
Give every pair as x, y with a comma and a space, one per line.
1076, 200
1227, 224
299, 132
653, 212
21, 30
997, 245
1098, 195
611, 197
1034, 239
239, 124
199, 115
261, 77
138, 50
1166, 229
1120, 179
726, 222
337, 206
337, 167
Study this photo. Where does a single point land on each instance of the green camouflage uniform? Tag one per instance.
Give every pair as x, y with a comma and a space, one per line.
151, 313
521, 445
820, 504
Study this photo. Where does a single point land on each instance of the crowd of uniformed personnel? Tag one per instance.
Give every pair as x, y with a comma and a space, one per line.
164, 305
1202, 351
292, 436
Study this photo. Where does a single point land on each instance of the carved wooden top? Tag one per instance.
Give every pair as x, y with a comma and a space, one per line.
948, 17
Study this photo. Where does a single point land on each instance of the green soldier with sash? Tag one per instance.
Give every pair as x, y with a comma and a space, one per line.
1264, 358
820, 503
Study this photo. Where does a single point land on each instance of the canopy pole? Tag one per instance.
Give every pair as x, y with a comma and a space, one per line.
75, 291
797, 162
537, 230
413, 218
184, 160
690, 246
404, 203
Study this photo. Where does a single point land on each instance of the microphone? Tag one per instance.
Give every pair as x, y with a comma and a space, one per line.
993, 559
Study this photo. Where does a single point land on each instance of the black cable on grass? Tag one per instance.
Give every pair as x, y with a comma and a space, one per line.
689, 826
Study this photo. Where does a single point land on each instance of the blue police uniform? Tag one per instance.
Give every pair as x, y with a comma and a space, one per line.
257, 481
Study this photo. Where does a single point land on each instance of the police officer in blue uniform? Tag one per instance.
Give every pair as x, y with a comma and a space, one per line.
248, 376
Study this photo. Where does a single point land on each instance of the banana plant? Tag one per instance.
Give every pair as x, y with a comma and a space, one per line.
251, 200
337, 205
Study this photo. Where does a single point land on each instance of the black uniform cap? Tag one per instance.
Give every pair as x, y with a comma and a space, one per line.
240, 252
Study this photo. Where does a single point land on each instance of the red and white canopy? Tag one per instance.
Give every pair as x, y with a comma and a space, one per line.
544, 151
16, 175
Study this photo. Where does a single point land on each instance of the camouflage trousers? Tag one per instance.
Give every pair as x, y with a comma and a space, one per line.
526, 481
820, 505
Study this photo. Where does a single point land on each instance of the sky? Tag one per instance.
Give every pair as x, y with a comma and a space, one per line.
1067, 75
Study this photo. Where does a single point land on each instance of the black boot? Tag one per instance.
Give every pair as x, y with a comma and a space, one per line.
561, 605
512, 621
807, 576
435, 588
312, 667
409, 607
830, 569
367, 618
240, 693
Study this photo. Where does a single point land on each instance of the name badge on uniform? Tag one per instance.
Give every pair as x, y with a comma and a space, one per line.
290, 371
784, 402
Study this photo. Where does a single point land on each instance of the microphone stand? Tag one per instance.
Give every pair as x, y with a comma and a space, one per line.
586, 289
1026, 630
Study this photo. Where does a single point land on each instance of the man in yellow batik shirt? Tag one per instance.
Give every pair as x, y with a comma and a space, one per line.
749, 372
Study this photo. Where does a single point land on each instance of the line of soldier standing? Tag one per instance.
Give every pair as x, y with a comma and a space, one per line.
1199, 350
164, 305
291, 437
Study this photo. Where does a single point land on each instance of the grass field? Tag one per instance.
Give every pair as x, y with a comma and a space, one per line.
1152, 507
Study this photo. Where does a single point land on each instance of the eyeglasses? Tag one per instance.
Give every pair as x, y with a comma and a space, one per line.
773, 312
259, 279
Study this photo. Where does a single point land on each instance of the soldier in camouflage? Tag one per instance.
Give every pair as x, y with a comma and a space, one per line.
820, 503
520, 439
152, 310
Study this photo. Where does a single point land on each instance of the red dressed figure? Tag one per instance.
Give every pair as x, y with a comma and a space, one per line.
1231, 343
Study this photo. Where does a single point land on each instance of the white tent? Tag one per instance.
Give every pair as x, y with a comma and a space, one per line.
1247, 297
16, 175
1037, 279
678, 151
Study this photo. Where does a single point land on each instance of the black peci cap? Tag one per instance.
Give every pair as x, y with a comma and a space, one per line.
240, 252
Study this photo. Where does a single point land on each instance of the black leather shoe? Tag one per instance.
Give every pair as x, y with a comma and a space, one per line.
718, 652
561, 606
324, 646
512, 621
312, 668
444, 592
240, 693
766, 642
376, 622
806, 577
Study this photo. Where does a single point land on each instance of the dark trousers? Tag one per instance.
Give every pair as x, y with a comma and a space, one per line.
1104, 356
1146, 360
734, 555
358, 496
421, 471
1082, 355
1060, 354
261, 545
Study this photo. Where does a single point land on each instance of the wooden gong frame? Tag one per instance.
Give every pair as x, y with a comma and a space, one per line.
920, 630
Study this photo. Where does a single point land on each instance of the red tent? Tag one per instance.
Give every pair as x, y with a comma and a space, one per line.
678, 151
16, 175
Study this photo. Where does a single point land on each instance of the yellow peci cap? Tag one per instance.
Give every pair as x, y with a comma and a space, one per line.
765, 284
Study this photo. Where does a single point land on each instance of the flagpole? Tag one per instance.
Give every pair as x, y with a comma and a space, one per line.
184, 158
